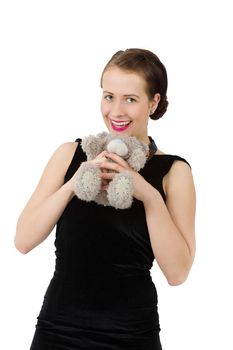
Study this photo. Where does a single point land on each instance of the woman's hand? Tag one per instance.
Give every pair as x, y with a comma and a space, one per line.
141, 186
98, 160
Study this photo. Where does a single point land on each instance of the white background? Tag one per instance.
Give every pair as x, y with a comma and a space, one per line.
52, 56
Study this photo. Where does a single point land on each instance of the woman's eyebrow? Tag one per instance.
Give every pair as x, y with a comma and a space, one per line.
108, 92
132, 95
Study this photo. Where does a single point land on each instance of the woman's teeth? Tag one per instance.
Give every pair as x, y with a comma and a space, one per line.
120, 123
120, 126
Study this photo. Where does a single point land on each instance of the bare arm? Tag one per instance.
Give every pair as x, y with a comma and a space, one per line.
172, 225
48, 201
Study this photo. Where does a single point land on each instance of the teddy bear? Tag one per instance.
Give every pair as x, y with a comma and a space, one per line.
87, 185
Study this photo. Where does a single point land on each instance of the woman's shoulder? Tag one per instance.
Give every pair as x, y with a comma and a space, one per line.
175, 167
66, 151
68, 147
172, 157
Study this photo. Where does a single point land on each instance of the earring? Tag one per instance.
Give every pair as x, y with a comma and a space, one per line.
151, 112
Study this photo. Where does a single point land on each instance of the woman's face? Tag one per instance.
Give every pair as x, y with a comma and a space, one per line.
125, 105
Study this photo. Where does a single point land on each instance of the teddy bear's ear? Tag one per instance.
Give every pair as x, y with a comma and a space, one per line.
102, 135
91, 146
137, 158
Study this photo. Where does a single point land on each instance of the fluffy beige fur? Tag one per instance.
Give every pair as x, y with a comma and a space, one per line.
120, 190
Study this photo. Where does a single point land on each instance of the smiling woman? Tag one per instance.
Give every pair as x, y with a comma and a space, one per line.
123, 111
134, 86
102, 295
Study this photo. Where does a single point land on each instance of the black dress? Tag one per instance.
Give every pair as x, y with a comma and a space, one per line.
102, 295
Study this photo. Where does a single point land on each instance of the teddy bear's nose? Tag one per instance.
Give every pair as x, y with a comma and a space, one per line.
117, 146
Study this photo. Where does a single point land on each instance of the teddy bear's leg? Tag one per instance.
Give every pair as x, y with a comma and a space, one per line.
87, 182
120, 190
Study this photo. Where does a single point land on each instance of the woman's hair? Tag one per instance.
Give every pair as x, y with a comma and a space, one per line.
148, 65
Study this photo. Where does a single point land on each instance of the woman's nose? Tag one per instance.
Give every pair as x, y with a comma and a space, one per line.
116, 109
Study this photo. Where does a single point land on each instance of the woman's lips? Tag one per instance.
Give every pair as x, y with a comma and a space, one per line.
120, 125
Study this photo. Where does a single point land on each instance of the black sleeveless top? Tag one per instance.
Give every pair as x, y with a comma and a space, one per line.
102, 295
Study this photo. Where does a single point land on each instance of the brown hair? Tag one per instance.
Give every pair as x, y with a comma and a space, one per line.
149, 66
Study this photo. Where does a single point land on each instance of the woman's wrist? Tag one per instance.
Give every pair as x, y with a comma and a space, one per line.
69, 186
149, 196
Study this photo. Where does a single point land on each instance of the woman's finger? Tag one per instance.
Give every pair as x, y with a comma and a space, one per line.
112, 167
117, 159
101, 155
107, 176
98, 160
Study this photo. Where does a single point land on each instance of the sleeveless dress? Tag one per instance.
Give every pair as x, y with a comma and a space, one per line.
101, 295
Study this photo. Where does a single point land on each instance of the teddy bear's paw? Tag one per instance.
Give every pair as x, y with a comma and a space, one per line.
87, 181
120, 191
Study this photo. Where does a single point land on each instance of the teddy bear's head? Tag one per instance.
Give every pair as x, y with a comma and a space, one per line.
128, 147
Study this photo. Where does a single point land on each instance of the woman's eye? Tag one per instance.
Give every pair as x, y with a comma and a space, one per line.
108, 97
130, 99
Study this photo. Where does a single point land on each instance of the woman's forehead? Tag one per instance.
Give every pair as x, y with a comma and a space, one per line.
116, 79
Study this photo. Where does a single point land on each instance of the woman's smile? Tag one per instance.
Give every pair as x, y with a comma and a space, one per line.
120, 125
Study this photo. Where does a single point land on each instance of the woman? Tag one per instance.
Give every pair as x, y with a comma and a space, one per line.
102, 295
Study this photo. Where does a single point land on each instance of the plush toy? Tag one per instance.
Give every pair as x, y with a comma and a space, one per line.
88, 177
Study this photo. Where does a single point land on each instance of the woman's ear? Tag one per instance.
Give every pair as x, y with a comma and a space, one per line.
155, 102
